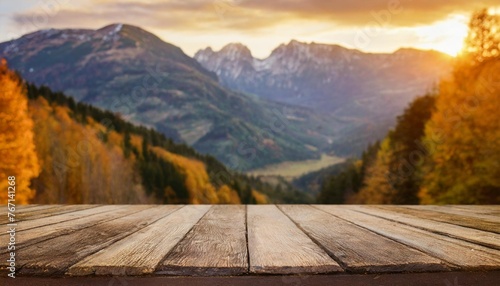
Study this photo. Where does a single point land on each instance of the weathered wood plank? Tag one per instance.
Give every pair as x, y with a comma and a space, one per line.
477, 209
4, 210
461, 213
21, 212
358, 249
39, 208
34, 231
480, 237
461, 254
22, 207
215, 246
30, 214
36, 207
18, 208
449, 218
276, 245
141, 252
55, 255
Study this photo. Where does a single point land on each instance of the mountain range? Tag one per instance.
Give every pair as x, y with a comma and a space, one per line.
329, 78
301, 101
362, 92
150, 82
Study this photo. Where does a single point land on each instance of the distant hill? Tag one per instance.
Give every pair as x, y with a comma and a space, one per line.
130, 71
361, 92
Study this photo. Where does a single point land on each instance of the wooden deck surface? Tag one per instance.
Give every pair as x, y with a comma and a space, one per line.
81, 241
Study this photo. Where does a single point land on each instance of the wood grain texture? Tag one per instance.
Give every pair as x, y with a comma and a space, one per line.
478, 209
28, 208
54, 256
24, 212
466, 221
61, 209
276, 245
154, 241
215, 246
460, 254
25, 207
484, 238
358, 249
461, 213
141, 252
34, 231
3, 211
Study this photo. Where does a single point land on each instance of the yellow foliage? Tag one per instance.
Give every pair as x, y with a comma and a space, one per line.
201, 191
462, 137
464, 132
96, 125
77, 167
17, 148
260, 198
114, 138
377, 189
136, 141
228, 196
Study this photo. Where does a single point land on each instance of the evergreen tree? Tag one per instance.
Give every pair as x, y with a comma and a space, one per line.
127, 145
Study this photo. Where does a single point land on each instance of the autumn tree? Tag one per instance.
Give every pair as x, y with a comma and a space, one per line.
17, 150
463, 134
483, 40
377, 187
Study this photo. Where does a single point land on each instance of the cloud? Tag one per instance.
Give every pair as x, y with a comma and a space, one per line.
261, 24
248, 15
361, 12
178, 15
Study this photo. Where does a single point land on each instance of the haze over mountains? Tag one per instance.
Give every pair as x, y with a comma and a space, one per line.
361, 93
330, 79
302, 100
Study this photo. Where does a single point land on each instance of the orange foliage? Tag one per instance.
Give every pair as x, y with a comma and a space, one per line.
201, 190
228, 196
78, 167
136, 141
17, 149
260, 198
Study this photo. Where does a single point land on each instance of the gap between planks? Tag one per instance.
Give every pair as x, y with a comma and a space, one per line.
141, 252
460, 254
41, 258
277, 246
357, 249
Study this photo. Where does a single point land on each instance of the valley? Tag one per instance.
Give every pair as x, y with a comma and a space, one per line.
293, 169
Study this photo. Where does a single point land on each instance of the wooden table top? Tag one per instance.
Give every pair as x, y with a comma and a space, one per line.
235, 240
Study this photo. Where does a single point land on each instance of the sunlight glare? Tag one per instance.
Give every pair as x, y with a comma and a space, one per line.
446, 36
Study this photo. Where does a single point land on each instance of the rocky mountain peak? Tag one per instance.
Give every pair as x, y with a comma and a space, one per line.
235, 51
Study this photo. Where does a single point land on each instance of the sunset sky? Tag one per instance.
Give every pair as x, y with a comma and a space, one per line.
373, 26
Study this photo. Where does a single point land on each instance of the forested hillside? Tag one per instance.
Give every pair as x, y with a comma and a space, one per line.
127, 70
444, 148
68, 152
